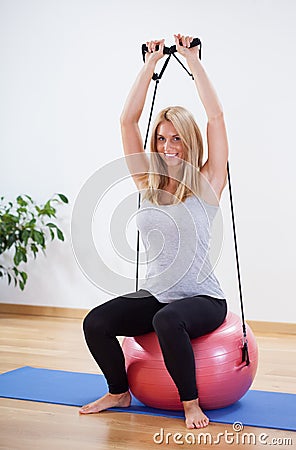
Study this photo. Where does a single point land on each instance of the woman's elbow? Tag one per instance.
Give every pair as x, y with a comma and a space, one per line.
123, 118
127, 119
216, 116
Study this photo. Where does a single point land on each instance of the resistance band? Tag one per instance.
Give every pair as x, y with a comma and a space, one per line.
170, 51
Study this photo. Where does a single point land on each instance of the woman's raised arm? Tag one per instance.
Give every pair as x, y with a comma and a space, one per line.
215, 168
131, 136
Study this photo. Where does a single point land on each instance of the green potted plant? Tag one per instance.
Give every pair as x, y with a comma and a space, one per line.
24, 231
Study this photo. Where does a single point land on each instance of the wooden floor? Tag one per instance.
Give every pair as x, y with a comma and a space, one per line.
56, 343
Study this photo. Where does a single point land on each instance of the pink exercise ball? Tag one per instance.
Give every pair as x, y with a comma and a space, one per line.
221, 377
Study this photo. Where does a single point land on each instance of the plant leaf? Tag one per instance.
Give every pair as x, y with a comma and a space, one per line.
63, 198
24, 276
34, 249
51, 225
38, 237
31, 223
29, 198
21, 201
17, 256
60, 235
25, 234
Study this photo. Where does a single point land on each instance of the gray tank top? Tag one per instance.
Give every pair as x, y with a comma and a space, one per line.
177, 239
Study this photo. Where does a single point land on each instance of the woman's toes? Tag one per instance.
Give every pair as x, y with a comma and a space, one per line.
190, 424
84, 408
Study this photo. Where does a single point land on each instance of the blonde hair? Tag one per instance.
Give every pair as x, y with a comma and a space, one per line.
157, 178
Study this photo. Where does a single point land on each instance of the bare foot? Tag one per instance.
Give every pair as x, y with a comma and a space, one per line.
194, 416
107, 401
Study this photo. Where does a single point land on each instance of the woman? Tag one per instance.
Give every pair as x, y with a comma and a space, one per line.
182, 301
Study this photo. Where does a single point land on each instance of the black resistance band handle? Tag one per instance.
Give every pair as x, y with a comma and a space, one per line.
172, 49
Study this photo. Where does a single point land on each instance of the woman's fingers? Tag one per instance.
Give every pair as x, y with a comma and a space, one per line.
161, 45
183, 45
184, 40
189, 39
152, 45
154, 53
177, 40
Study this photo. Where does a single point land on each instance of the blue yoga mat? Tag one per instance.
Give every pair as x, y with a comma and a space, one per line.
255, 408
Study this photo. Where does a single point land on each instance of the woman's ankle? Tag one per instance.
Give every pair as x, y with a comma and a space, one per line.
122, 394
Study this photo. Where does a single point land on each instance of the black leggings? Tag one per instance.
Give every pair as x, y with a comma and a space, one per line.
140, 312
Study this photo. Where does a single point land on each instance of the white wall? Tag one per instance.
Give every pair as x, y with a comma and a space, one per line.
66, 68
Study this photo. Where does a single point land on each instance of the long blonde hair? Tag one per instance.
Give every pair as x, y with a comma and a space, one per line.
157, 178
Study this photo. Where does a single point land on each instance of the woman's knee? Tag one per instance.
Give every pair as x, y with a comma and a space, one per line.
166, 321
94, 323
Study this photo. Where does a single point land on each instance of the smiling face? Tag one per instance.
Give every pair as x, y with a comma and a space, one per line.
169, 144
